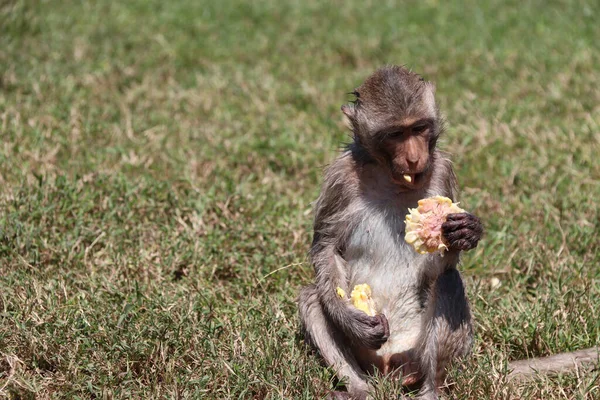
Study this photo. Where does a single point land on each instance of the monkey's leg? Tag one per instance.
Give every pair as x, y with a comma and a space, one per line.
330, 342
449, 331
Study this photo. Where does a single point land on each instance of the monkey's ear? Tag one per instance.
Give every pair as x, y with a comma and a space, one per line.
349, 111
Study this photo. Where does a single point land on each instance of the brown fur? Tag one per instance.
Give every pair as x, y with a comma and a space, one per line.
423, 319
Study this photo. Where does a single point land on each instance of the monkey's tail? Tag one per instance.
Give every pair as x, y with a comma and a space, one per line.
553, 365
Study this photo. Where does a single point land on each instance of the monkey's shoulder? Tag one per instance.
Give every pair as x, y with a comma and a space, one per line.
340, 182
343, 171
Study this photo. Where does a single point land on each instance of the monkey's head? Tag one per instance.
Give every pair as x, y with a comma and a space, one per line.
395, 119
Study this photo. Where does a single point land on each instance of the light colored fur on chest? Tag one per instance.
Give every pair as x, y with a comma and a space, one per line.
376, 253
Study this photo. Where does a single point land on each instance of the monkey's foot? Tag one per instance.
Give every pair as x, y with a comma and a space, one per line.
410, 380
338, 395
404, 367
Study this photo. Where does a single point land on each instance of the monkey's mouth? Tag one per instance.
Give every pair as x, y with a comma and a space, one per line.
410, 179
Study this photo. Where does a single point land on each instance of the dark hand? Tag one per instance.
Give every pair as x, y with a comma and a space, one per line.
370, 332
462, 231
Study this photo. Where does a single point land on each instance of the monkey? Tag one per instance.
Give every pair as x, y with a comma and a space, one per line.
423, 318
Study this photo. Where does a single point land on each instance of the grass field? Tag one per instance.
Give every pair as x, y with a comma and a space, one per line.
159, 160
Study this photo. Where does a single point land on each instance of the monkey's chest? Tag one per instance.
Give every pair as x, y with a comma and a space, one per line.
378, 255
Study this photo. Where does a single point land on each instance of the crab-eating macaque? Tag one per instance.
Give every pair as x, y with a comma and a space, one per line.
422, 319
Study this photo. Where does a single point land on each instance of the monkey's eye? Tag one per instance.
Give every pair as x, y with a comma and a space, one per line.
395, 135
419, 128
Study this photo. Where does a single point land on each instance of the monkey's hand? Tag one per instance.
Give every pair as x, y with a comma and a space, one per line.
367, 331
462, 231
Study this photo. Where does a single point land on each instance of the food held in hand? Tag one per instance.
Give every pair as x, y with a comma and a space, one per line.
424, 224
361, 299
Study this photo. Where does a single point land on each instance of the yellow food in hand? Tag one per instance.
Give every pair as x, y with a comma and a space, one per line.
424, 224
361, 299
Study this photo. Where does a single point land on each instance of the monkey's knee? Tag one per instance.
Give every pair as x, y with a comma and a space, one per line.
452, 306
451, 331
453, 319
331, 344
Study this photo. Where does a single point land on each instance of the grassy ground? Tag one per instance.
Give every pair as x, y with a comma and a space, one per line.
159, 159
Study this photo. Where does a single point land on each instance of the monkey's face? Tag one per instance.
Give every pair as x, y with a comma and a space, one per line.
395, 119
404, 151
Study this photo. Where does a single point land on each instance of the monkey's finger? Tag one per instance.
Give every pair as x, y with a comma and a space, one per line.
465, 244
457, 234
457, 216
386, 325
471, 222
461, 234
450, 226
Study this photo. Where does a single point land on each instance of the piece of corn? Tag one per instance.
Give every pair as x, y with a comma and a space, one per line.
424, 224
361, 299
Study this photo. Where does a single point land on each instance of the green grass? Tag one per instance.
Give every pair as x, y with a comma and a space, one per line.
159, 160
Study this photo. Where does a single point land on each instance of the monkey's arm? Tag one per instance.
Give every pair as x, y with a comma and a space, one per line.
462, 231
330, 273
332, 226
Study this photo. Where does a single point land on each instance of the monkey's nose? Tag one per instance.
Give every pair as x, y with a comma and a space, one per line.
412, 164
